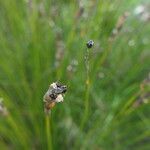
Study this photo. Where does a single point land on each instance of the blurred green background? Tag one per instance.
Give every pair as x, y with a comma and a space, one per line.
43, 41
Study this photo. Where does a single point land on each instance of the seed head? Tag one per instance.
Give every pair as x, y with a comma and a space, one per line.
89, 44
54, 95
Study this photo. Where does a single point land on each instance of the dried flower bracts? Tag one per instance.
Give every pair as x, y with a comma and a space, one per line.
54, 95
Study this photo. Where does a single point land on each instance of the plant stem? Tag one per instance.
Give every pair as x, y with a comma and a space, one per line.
48, 133
20, 134
87, 66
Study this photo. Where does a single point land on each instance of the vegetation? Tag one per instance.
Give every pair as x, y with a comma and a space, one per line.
45, 41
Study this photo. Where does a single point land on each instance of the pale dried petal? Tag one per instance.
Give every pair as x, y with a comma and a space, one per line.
59, 98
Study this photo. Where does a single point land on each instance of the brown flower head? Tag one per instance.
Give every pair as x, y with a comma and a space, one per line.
55, 94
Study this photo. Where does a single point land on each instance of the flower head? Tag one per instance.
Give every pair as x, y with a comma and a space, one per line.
89, 44
55, 94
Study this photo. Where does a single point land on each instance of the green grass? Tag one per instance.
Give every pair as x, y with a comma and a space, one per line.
100, 117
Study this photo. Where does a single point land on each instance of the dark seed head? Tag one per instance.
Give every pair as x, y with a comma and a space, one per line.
89, 44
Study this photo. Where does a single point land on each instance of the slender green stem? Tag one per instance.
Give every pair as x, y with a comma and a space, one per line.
20, 134
48, 133
87, 66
